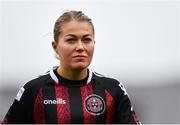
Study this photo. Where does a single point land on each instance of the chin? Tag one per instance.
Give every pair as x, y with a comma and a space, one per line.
80, 66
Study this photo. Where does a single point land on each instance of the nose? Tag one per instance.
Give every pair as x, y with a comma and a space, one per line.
80, 46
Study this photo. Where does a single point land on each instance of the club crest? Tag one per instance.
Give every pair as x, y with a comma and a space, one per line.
95, 104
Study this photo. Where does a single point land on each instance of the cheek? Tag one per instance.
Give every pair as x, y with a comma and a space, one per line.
63, 50
91, 50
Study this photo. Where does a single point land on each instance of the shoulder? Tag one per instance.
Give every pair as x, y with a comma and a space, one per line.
105, 79
109, 81
38, 81
112, 85
30, 88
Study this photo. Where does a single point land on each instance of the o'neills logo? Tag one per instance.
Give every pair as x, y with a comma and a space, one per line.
57, 101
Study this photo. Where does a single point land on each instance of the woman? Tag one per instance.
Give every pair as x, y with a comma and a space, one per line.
71, 93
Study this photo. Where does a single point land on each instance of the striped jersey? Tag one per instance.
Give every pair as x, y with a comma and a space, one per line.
53, 99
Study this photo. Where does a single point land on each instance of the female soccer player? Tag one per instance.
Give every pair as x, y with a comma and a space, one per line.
71, 92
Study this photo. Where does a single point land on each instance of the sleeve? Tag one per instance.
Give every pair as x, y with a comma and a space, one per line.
124, 111
20, 109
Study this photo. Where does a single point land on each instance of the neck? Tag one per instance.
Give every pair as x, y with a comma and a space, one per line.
72, 74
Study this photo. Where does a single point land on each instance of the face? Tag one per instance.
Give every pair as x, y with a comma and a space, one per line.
75, 45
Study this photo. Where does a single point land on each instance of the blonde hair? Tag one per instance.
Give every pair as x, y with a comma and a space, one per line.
67, 17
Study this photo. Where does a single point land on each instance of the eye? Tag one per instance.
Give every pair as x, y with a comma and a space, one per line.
87, 40
71, 40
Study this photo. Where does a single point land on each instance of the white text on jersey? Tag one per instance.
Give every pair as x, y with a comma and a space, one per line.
57, 101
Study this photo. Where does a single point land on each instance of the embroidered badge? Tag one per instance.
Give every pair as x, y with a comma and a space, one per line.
95, 104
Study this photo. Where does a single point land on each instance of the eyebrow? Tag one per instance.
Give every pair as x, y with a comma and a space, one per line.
70, 35
75, 35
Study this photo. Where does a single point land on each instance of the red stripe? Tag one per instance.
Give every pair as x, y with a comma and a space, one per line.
110, 110
135, 116
63, 110
87, 117
39, 115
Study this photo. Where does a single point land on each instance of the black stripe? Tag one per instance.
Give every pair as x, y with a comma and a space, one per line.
75, 105
50, 109
113, 88
99, 90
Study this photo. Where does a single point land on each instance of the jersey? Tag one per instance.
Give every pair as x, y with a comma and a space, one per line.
51, 98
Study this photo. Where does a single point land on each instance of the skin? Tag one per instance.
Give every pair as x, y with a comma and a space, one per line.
75, 48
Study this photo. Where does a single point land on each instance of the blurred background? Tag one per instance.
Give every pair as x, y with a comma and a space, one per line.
137, 42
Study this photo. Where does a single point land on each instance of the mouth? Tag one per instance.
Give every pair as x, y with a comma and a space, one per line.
80, 56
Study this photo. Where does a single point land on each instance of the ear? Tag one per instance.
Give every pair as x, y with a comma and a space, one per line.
54, 45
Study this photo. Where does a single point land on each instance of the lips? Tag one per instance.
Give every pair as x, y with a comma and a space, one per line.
79, 56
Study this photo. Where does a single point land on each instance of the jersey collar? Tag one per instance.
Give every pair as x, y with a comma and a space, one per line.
54, 77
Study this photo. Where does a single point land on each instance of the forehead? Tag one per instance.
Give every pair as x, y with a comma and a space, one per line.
76, 27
